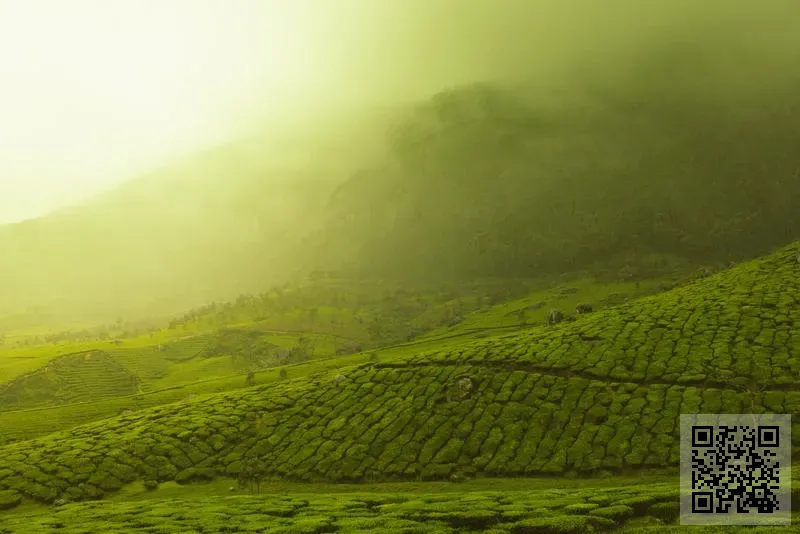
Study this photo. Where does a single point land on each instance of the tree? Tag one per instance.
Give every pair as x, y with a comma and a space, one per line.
376, 328
252, 473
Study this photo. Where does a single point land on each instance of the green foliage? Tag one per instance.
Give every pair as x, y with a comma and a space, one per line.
341, 511
249, 346
194, 474
579, 397
9, 499
70, 378
618, 513
360, 314
251, 471
668, 512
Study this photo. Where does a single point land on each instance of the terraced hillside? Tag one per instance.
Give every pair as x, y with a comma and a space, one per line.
70, 378
94, 375
170, 365
602, 393
738, 331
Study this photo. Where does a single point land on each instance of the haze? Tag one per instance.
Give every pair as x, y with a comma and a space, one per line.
95, 91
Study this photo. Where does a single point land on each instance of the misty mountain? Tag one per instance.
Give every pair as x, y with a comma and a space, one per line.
682, 150
676, 154
208, 227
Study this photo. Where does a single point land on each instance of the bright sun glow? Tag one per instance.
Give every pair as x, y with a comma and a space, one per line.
94, 91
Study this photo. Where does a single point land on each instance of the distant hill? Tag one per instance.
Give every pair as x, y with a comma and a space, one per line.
212, 226
670, 157
490, 180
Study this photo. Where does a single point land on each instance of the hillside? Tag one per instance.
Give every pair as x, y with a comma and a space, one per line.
671, 153
208, 227
49, 385
670, 158
599, 394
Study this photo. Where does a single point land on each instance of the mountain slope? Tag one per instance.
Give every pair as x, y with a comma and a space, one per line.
674, 151
601, 393
211, 226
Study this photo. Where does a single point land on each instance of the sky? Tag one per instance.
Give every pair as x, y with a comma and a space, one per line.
94, 92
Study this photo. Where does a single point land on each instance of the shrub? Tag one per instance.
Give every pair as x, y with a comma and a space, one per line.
581, 508
561, 524
554, 317
194, 474
9, 499
667, 512
617, 513
458, 477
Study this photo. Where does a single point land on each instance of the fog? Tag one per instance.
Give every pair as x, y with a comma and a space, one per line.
95, 93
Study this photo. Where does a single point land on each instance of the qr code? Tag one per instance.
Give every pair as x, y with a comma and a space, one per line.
736, 469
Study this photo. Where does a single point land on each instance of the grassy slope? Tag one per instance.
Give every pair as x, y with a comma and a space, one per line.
36, 399
223, 219
537, 304
601, 393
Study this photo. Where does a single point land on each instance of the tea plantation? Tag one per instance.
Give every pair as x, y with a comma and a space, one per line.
598, 395
71, 378
557, 510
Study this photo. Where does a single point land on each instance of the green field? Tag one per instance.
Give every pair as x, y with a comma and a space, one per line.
468, 419
487, 511
172, 365
636, 504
